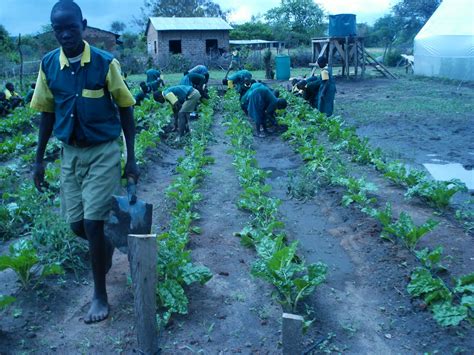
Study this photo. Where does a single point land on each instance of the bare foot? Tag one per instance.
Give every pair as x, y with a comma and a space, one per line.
98, 312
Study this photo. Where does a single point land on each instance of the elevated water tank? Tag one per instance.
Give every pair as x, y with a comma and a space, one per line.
342, 25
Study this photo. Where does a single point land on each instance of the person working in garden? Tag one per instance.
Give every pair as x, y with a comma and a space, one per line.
142, 94
29, 94
12, 96
200, 69
153, 79
237, 79
235, 63
76, 91
197, 81
183, 99
262, 104
4, 105
327, 89
244, 100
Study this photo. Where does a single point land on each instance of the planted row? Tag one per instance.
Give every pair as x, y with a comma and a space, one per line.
357, 192
175, 269
277, 262
437, 193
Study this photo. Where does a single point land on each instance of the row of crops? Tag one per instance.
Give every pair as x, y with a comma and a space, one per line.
316, 138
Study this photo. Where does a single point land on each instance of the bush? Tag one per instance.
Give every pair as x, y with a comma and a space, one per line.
178, 64
392, 58
301, 56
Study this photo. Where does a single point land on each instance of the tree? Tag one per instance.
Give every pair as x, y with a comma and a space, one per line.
252, 30
413, 14
6, 42
183, 8
117, 26
385, 31
296, 21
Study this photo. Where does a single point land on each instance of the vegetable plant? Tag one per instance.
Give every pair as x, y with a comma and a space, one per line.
23, 259
437, 193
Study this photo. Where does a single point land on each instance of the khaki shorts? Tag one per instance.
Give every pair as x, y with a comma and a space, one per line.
89, 178
191, 102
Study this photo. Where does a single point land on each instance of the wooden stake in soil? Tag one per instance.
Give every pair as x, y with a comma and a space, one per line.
292, 334
142, 253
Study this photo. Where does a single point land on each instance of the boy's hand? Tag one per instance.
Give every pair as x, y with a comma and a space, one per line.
38, 177
176, 107
131, 170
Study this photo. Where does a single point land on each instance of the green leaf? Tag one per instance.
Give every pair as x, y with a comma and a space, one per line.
468, 301
196, 273
422, 283
172, 296
448, 315
5, 300
52, 269
465, 284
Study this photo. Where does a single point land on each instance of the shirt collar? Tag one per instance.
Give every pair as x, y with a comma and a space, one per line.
86, 57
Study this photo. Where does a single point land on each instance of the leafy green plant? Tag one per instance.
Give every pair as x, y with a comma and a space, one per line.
431, 259
437, 193
23, 259
6, 300
405, 229
437, 297
398, 173
292, 279
357, 190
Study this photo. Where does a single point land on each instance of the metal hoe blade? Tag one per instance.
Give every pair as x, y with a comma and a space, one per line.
125, 219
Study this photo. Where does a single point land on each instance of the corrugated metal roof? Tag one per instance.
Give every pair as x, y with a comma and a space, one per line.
251, 41
189, 23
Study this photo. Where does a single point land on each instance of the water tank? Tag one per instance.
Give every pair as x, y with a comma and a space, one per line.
342, 25
282, 64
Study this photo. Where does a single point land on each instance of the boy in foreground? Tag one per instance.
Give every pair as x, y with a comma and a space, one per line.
75, 91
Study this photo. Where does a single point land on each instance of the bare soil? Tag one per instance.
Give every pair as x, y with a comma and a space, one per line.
363, 307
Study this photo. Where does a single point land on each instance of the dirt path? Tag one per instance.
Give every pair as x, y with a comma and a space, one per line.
363, 307
233, 312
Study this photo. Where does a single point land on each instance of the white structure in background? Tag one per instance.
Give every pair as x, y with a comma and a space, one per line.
445, 45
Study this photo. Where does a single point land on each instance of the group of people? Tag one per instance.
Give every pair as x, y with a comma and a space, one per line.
10, 99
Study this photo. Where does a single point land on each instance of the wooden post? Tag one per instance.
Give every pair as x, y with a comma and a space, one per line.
21, 61
362, 45
346, 60
292, 334
142, 254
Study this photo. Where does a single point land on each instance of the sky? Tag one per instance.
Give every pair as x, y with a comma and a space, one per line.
28, 16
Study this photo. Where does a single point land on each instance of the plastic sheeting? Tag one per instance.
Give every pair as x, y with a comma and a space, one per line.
445, 45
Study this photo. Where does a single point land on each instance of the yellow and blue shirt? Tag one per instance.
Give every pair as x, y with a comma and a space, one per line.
80, 95
177, 93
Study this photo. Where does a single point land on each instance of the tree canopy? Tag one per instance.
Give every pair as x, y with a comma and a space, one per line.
296, 21
412, 15
183, 8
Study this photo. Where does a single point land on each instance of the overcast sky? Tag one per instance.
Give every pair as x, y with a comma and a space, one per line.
27, 16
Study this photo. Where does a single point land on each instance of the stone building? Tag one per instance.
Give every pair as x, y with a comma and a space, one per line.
198, 39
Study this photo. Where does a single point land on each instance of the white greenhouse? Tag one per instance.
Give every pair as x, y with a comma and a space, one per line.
445, 45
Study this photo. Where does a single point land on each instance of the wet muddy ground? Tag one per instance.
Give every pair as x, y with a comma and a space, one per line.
363, 307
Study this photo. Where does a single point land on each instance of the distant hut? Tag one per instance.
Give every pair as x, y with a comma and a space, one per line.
196, 38
94, 36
